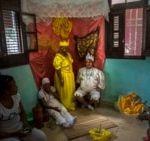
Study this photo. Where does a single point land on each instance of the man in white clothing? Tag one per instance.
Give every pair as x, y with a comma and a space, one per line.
53, 106
91, 81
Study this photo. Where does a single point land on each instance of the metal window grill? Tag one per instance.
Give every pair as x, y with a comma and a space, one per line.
116, 34
12, 32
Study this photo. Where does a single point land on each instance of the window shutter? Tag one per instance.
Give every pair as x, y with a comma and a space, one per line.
12, 33
12, 51
116, 34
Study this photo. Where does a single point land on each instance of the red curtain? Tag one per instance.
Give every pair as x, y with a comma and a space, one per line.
42, 60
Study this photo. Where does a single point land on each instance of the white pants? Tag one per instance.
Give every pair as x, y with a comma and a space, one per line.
94, 94
63, 117
36, 135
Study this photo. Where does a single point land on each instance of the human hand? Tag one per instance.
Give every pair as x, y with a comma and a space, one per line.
24, 132
27, 130
26, 125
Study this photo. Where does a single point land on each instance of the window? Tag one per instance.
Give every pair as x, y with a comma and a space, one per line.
133, 32
13, 38
12, 33
29, 21
125, 39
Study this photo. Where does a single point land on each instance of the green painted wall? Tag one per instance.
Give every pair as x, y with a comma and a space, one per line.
26, 86
123, 76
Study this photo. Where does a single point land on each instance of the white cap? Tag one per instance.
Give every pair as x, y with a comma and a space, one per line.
45, 80
89, 57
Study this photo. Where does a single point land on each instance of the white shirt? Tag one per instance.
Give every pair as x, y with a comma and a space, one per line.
10, 117
49, 98
90, 79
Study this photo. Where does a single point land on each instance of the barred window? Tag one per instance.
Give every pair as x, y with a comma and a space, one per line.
13, 36
12, 33
126, 29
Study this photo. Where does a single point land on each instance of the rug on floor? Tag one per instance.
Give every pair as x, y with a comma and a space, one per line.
85, 121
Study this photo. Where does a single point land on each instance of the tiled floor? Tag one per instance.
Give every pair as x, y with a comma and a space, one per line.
129, 128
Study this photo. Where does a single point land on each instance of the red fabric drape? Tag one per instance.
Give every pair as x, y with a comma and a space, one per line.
41, 61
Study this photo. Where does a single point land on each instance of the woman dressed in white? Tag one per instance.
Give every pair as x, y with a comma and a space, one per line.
47, 95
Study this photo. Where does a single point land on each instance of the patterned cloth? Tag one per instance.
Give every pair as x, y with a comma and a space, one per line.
66, 8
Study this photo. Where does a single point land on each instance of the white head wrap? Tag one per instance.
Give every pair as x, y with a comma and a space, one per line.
45, 80
89, 57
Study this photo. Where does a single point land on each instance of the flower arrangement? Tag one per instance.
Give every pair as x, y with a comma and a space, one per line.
130, 104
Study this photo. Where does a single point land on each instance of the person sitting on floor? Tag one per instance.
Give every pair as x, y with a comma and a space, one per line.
13, 123
91, 80
54, 107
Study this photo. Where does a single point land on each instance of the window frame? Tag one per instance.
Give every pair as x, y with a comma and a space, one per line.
13, 60
134, 4
118, 8
30, 32
147, 36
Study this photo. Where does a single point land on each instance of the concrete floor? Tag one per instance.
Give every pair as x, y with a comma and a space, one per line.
129, 128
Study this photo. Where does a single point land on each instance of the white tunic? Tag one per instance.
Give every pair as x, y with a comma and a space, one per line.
10, 121
9, 117
90, 80
63, 117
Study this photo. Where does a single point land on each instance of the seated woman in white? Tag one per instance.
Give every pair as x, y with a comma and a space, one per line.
53, 106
